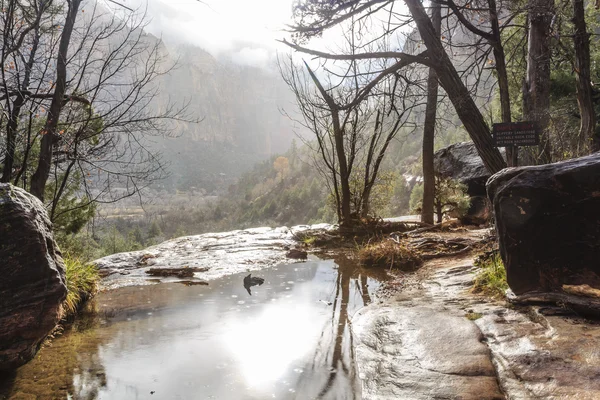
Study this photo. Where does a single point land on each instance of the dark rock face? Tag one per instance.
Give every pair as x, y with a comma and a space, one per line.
461, 162
548, 223
32, 277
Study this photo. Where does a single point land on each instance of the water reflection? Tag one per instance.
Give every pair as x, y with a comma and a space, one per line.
289, 340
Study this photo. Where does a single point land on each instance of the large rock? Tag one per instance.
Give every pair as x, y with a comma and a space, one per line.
32, 283
548, 223
461, 162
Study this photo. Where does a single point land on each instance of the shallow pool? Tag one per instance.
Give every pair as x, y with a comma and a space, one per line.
289, 339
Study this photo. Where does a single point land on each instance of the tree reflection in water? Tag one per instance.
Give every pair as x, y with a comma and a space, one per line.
335, 348
169, 338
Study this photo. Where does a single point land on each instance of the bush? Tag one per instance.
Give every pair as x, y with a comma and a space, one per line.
451, 198
82, 283
416, 198
390, 254
491, 278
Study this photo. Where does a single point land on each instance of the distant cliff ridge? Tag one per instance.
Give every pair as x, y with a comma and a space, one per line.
240, 107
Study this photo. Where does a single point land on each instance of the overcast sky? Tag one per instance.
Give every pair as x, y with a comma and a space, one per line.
245, 29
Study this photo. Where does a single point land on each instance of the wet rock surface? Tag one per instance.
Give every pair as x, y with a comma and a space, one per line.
32, 284
549, 227
415, 347
419, 344
204, 257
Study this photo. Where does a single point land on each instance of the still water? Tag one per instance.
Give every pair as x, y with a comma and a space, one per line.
290, 339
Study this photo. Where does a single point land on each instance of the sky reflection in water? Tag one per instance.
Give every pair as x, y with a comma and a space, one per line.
289, 340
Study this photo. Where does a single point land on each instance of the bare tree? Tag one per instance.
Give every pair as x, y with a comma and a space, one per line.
49, 134
314, 17
100, 91
429, 130
353, 125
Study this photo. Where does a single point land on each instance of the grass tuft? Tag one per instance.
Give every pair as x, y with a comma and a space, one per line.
473, 316
389, 254
82, 283
491, 278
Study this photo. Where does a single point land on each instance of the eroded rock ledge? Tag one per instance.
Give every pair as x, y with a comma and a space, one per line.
419, 344
208, 256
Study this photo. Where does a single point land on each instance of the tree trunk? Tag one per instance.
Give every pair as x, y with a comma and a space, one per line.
11, 138
465, 107
338, 136
439, 212
537, 82
344, 176
500, 58
581, 39
49, 135
429, 129
366, 199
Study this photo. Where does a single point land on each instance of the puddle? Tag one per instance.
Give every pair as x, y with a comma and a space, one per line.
290, 339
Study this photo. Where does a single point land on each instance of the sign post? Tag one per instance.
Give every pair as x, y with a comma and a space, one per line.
515, 134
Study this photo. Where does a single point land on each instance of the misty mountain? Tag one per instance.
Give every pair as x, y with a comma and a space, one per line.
241, 122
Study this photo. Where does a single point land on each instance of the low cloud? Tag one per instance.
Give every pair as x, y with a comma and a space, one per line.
220, 27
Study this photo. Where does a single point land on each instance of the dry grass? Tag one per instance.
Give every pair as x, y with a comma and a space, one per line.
390, 254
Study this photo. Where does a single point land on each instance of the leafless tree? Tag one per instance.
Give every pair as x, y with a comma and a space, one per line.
88, 106
353, 123
314, 17
429, 130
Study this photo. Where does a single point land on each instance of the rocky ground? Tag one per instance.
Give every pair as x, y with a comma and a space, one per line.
432, 338
429, 336
208, 256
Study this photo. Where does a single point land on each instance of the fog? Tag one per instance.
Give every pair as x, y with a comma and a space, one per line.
244, 31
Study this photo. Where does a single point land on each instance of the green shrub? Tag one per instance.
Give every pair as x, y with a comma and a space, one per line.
491, 278
82, 283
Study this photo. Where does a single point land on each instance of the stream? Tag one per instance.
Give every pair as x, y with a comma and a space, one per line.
290, 339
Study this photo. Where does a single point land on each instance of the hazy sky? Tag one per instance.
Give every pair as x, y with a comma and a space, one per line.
245, 29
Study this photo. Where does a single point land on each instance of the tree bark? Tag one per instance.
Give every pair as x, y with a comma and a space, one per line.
456, 90
581, 39
500, 58
338, 136
429, 128
344, 175
537, 83
49, 135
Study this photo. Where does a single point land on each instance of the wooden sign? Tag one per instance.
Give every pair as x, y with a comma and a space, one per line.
515, 134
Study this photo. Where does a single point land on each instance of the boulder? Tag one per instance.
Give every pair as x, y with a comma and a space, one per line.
32, 287
461, 162
548, 223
